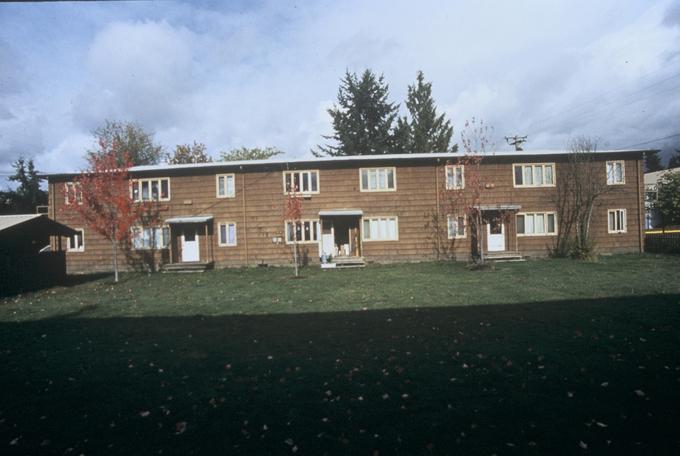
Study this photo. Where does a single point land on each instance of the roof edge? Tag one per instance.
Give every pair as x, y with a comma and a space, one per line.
349, 159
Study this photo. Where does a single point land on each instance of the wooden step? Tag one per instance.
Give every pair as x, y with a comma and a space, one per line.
189, 266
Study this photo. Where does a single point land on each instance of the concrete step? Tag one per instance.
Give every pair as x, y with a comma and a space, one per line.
189, 266
349, 262
504, 256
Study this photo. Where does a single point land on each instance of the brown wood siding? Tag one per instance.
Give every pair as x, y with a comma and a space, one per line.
257, 210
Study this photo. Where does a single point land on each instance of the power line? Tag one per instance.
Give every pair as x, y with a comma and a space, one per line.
603, 96
652, 141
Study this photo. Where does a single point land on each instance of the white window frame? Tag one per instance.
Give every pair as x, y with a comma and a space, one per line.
226, 243
73, 187
302, 222
377, 179
377, 219
545, 223
454, 218
165, 243
613, 174
624, 221
81, 248
139, 183
456, 185
533, 166
301, 173
226, 190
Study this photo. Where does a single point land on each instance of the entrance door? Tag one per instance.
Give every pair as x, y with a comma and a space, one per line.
190, 244
495, 236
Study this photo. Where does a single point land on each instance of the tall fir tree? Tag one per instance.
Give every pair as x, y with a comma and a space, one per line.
28, 194
427, 131
652, 161
362, 118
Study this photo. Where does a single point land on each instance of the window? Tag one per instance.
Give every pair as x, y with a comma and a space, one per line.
73, 193
76, 243
534, 175
227, 234
225, 186
616, 172
146, 238
616, 221
301, 181
537, 224
378, 179
303, 231
455, 177
380, 229
456, 224
157, 189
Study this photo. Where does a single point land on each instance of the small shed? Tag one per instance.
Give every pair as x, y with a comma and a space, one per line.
24, 262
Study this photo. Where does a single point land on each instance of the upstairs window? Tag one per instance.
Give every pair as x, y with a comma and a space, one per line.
616, 172
536, 224
73, 193
455, 177
378, 179
305, 231
225, 186
146, 238
76, 243
156, 189
534, 175
227, 233
456, 226
616, 221
301, 182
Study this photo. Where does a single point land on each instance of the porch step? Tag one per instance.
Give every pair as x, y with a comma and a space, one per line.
504, 256
349, 262
189, 266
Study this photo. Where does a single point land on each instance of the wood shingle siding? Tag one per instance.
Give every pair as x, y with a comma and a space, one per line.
257, 209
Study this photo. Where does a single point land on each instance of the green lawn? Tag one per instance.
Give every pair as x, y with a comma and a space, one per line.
542, 357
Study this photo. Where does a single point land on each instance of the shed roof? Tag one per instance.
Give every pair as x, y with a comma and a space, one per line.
10, 224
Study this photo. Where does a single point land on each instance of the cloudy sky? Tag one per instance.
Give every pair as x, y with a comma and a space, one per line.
261, 73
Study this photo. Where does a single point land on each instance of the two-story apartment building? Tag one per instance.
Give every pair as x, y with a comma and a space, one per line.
378, 208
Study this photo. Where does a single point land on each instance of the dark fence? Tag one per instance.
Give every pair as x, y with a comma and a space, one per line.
662, 242
26, 272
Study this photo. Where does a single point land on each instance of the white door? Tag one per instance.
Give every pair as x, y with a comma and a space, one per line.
495, 236
190, 245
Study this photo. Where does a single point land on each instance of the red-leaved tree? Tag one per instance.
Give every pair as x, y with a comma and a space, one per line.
106, 204
467, 198
292, 213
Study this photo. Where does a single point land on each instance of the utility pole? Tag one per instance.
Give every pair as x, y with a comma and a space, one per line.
516, 141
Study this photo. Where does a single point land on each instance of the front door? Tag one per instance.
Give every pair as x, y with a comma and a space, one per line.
190, 244
495, 236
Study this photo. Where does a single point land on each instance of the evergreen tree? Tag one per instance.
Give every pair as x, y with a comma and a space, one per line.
428, 132
402, 138
652, 162
674, 162
362, 118
128, 139
28, 195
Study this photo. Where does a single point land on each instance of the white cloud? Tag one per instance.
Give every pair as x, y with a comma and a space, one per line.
264, 74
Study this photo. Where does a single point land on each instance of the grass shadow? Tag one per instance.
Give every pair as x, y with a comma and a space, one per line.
535, 378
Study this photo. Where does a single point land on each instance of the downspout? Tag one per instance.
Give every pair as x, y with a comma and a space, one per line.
245, 223
436, 189
640, 214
